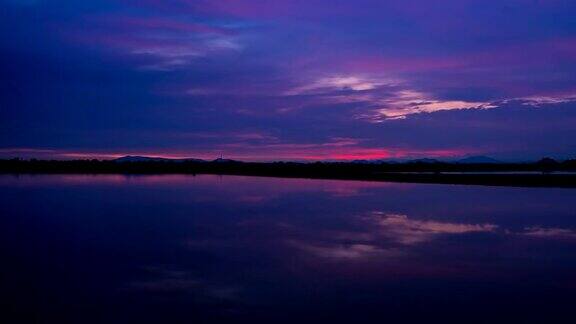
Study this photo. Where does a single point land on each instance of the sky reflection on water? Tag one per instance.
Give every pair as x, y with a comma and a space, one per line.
183, 249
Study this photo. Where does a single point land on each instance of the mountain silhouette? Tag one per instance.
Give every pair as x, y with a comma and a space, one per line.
478, 159
137, 158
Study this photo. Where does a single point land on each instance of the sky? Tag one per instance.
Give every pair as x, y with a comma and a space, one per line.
262, 80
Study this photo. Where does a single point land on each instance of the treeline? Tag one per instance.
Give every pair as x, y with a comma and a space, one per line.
545, 165
544, 173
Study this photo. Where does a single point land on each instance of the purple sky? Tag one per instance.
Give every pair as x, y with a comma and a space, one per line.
288, 79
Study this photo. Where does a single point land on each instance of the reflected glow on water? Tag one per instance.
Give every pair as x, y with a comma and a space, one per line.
182, 249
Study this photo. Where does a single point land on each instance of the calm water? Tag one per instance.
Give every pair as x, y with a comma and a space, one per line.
210, 249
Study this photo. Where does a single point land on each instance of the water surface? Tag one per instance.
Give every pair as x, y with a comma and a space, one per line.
226, 249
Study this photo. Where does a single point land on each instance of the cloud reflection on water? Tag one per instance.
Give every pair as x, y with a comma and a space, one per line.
198, 246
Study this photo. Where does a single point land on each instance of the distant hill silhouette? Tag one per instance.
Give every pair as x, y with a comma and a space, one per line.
222, 160
425, 160
379, 161
478, 159
137, 158
396, 161
144, 159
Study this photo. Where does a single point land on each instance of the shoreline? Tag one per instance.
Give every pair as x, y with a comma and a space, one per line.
560, 175
542, 180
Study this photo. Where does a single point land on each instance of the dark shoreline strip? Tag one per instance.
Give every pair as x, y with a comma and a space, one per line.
510, 180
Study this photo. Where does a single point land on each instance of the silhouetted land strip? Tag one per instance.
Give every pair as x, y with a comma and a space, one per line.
545, 173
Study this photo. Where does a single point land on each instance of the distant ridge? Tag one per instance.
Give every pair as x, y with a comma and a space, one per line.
425, 160
478, 159
372, 161
222, 160
397, 161
137, 158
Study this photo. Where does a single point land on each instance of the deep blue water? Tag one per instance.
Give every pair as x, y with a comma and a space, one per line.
211, 249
